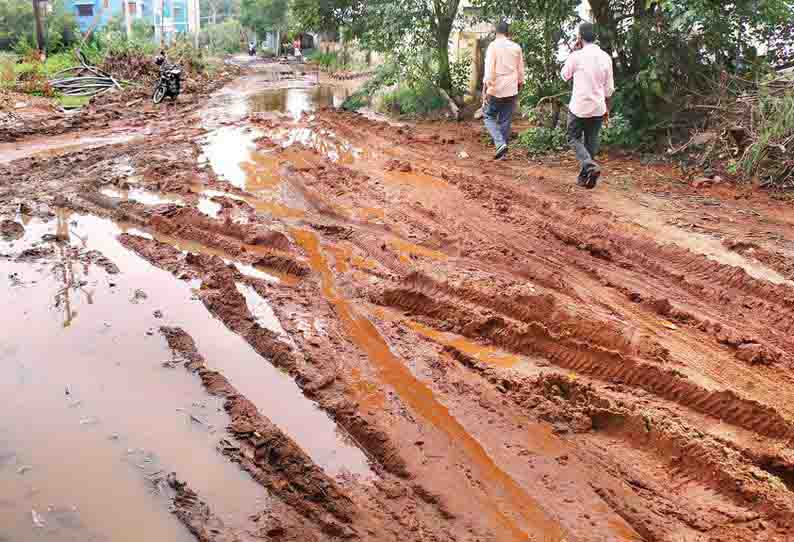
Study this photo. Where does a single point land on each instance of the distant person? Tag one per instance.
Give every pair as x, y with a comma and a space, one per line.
296, 46
593, 86
504, 77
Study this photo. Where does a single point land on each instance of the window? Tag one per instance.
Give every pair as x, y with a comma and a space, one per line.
85, 10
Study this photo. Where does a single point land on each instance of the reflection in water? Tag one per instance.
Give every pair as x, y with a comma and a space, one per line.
296, 101
101, 410
227, 148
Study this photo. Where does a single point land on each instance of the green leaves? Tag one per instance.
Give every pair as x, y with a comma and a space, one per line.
264, 15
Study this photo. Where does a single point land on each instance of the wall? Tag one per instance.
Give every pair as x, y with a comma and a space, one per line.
104, 10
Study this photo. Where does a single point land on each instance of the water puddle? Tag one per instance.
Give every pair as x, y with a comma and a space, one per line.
140, 195
194, 247
420, 398
232, 151
261, 310
52, 146
227, 149
79, 360
296, 101
94, 335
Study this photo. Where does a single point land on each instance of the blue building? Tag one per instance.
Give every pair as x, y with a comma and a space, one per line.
169, 17
99, 12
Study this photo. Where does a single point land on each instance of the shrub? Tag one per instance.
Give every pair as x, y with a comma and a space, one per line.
543, 140
222, 37
460, 73
419, 98
619, 133
385, 75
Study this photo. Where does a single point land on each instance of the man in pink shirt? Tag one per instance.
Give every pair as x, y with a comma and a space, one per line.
593, 86
504, 76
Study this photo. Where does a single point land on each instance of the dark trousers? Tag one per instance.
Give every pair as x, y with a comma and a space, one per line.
498, 117
583, 137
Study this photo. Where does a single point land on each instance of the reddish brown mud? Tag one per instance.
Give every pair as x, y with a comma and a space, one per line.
394, 337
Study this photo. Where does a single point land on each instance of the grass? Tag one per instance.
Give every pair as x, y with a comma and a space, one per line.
71, 102
777, 114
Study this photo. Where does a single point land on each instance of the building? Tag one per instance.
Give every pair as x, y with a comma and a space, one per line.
98, 13
168, 17
172, 17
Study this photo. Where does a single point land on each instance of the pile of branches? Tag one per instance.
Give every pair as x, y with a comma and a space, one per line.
747, 130
86, 80
132, 66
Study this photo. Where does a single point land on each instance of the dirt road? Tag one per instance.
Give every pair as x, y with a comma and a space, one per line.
266, 320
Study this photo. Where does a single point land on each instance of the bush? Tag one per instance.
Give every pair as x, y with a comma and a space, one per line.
327, 61
385, 75
619, 133
419, 98
543, 140
142, 30
222, 38
268, 52
460, 72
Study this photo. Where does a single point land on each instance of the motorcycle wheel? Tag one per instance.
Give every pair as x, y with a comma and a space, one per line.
159, 94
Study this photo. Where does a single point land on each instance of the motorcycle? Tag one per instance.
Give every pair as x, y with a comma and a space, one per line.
170, 83
252, 50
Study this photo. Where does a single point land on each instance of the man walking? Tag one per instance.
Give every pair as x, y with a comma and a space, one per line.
504, 76
593, 86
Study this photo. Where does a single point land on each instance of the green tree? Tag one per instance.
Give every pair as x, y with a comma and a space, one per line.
223, 37
264, 16
62, 29
218, 11
324, 15
16, 22
409, 29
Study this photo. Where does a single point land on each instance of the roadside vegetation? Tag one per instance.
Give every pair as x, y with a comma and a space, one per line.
696, 81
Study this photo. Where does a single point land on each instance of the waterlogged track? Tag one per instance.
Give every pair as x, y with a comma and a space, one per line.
330, 327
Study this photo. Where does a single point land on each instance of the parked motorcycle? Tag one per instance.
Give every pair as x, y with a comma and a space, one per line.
251, 49
170, 83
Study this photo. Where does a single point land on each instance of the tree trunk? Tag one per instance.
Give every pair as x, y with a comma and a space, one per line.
39, 28
442, 52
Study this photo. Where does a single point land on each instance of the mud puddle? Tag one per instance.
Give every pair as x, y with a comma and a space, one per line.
104, 410
98, 383
205, 205
295, 101
51, 146
231, 149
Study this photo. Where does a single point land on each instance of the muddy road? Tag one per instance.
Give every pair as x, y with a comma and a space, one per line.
263, 319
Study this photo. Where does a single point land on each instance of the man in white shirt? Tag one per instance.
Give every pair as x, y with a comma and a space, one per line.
593, 86
504, 77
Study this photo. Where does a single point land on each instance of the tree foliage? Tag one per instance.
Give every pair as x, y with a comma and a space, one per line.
662, 50
264, 16
324, 15
218, 11
415, 31
17, 25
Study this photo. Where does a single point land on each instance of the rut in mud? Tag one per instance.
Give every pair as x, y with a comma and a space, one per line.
269, 320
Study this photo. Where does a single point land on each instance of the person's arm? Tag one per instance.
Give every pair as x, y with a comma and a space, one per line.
568, 68
521, 72
610, 90
490, 70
